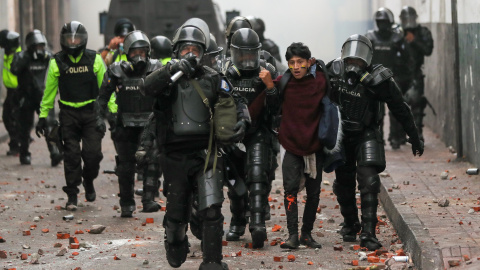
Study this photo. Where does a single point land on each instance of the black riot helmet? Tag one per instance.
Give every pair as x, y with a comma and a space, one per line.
137, 48
73, 38
408, 17
123, 27
161, 47
210, 55
384, 19
193, 33
356, 47
10, 40
36, 42
235, 24
258, 25
245, 49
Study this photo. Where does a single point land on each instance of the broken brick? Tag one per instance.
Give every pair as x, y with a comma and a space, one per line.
75, 253
61, 235
276, 228
277, 258
116, 258
274, 243
26, 233
310, 263
355, 263
291, 258
373, 259
3, 254
45, 230
74, 246
149, 220
224, 243
338, 247
134, 255
78, 232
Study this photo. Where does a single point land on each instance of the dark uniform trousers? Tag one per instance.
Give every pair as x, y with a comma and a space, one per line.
9, 119
79, 125
293, 169
126, 141
25, 119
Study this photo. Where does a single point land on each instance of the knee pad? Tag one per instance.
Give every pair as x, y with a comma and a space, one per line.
369, 185
372, 153
210, 188
212, 213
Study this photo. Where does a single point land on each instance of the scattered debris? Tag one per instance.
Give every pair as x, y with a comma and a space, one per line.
444, 175
97, 229
443, 203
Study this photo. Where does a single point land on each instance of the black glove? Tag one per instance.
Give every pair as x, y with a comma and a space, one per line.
240, 128
184, 65
417, 146
41, 128
127, 67
100, 125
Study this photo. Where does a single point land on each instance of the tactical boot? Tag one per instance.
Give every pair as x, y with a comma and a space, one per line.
72, 202
349, 231
213, 266
149, 203
90, 194
307, 240
127, 211
369, 221
292, 242
26, 159
56, 159
258, 230
234, 232
177, 253
139, 192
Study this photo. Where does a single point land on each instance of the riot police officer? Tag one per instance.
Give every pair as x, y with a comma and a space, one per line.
260, 157
31, 66
359, 87
114, 52
236, 23
258, 25
161, 49
420, 44
10, 42
183, 129
212, 54
77, 74
390, 51
133, 112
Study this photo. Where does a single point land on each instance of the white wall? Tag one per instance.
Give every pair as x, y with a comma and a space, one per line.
323, 25
90, 18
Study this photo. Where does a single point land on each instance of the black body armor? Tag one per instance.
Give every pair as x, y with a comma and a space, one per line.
133, 107
385, 49
77, 81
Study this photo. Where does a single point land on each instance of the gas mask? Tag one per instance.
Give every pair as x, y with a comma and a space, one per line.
352, 73
139, 62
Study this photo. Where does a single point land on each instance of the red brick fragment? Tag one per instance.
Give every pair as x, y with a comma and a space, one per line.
224, 243
149, 220
24, 256
355, 263
310, 263
74, 246
116, 258
400, 252
291, 258
26, 233
134, 255
274, 243
373, 259
239, 254
163, 208
45, 230
338, 247
3, 254
75, 253
276, 228
61, 235
78, 232
466, 257
277, 258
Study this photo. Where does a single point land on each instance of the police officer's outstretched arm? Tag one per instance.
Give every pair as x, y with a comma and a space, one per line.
158, 82
390, 93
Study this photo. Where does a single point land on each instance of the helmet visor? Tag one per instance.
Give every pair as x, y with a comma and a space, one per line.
357, 49
73, 40
246, 59
408, 21
190, 47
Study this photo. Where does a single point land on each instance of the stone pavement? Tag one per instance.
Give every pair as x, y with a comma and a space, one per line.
412, 187
437, 237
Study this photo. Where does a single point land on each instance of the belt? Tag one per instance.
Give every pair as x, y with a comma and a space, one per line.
87, 107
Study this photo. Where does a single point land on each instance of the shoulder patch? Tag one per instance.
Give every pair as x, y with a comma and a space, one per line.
224, 85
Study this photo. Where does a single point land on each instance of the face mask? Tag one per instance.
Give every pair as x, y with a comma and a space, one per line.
39, 54
352, 72
191, 55
139, 62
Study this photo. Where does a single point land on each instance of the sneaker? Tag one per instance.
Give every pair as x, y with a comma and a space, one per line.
291, 243
307, 240
72, 202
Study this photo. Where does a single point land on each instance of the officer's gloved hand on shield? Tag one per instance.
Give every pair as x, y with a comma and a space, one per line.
417, 145
240, 128
41, 128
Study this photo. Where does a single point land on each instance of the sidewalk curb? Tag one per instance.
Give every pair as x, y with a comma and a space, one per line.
410, 229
